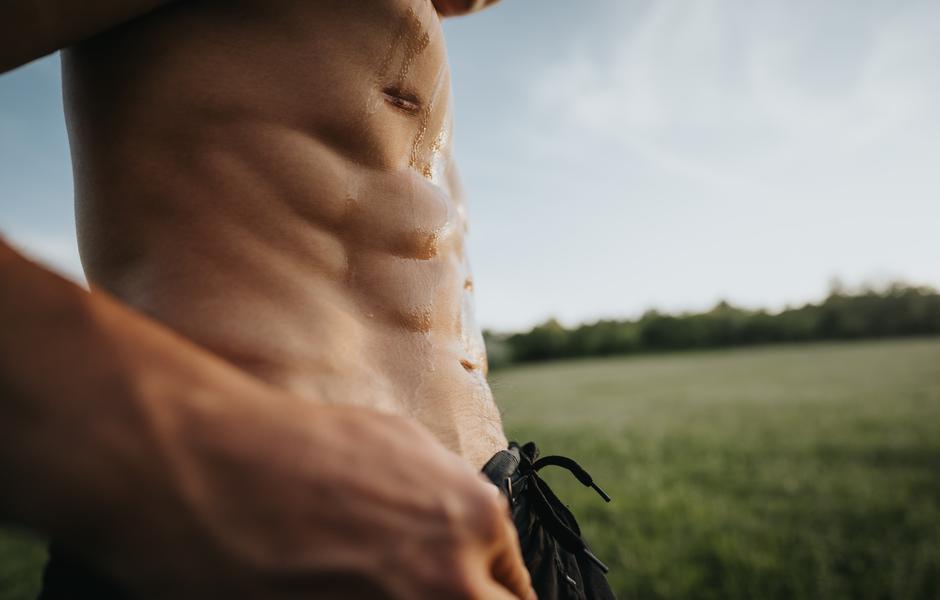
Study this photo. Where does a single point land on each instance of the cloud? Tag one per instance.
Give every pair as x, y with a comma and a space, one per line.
735, 93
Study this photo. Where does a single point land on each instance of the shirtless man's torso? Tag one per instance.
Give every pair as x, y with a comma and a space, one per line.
274, 180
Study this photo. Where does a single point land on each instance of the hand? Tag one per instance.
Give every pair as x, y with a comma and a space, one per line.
182, 477
278, 498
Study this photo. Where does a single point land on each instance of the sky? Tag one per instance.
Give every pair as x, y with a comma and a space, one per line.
621, 155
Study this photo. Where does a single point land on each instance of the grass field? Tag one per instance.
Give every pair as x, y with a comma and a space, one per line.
778, 472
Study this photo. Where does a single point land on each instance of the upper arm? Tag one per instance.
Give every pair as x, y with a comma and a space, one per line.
453, 8
33, 28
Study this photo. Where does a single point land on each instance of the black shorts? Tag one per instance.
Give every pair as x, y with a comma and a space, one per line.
561, 564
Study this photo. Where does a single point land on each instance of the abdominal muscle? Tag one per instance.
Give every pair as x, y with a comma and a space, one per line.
318, 246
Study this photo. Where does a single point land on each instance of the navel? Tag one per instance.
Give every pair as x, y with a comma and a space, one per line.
468, 366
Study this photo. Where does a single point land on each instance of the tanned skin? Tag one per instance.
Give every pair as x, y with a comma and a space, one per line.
273, 180
303, 409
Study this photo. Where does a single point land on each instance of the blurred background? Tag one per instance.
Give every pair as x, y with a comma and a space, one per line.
705, 242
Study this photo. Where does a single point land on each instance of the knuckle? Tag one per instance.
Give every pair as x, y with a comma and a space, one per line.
454, 510
470, 503
489, 514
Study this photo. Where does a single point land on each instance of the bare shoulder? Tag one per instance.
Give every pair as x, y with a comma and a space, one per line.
453, 8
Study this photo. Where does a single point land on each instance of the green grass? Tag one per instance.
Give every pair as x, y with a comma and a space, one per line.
21, 559
777, 472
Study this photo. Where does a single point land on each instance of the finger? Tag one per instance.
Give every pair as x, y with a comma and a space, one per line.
508, 567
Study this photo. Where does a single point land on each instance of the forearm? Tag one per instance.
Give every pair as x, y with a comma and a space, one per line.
87, 388
181, 477
33, 28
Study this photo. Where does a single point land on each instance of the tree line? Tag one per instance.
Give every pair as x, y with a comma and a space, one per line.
896, 310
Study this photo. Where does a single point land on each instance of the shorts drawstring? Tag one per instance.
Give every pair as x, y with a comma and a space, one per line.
547, 504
